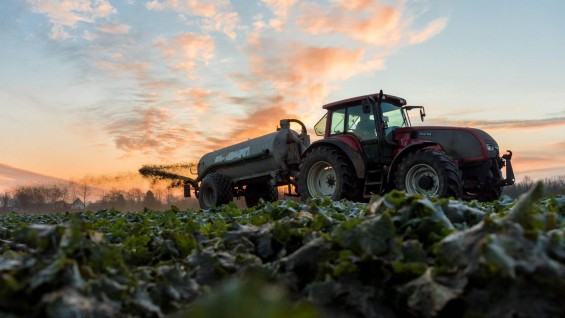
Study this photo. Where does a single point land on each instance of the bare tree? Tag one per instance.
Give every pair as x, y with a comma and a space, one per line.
85, 191
5, 199
135, 195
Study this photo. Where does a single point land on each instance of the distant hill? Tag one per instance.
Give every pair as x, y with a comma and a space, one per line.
11, 177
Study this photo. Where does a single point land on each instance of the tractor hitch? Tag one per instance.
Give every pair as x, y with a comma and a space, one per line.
509, 171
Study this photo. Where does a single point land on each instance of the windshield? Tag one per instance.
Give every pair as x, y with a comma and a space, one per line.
393, 115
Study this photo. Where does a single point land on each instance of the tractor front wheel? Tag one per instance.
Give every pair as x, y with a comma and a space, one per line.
325, 172
430, 173
256, 191
215, 190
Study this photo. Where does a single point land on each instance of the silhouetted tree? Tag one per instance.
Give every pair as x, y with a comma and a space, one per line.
149, 201
5, 201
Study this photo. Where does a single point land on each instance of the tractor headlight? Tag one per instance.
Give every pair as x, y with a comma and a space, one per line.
490, 147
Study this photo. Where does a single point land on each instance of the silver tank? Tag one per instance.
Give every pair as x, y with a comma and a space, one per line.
257, 157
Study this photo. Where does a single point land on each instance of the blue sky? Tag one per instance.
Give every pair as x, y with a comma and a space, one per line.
102, 86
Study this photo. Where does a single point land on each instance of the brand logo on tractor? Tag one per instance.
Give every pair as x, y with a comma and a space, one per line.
237, 154
421, 133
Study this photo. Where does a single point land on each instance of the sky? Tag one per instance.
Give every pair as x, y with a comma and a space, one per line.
104, 86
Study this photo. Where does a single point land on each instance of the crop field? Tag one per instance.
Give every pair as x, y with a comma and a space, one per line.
398, 256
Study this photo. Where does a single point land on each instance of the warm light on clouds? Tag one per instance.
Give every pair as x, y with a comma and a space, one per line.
114, 28
154, 80
147, 131
216, 15
65, 14
505, 124
185, 51
280, 9
380, 26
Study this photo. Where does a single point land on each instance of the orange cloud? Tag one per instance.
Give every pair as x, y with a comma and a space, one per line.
368, 22
505, 124
297, 70
260, 122
380, 26
186, 50
148, 130
196, 98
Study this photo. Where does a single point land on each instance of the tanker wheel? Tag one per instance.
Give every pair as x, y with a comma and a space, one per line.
325, 172
429, 172
215, 190
256, 191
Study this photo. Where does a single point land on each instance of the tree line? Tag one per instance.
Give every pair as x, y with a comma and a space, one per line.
80, 197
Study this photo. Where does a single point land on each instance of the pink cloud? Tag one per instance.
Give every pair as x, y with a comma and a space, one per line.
280, 9
186, 50
65, 14
114, 28
367, 21
217, 15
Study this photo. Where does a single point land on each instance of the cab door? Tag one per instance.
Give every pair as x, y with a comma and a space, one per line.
362, 123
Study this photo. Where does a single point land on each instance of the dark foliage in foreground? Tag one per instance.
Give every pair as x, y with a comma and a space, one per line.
397, 256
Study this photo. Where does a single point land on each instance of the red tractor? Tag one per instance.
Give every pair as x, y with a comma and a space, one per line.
369, 147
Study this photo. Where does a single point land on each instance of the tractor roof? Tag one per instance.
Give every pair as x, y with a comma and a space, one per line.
355, 100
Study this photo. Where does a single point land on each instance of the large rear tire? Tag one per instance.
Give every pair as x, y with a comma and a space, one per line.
326, 172
215, 190
429, 172
256, 191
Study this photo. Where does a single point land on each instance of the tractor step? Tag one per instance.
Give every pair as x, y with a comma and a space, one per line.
373, 183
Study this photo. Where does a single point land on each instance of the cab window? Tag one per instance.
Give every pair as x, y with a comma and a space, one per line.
338, 122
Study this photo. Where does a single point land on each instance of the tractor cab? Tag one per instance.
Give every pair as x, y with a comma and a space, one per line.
366, 124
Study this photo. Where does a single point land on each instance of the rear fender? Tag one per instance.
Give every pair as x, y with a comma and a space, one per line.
407, 150
354, 156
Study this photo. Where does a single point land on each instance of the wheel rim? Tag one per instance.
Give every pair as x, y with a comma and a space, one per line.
422, 179
208, 196
322, 179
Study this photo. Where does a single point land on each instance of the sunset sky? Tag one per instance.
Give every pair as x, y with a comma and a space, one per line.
104, 86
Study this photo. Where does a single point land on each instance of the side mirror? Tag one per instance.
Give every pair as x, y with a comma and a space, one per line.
422, 114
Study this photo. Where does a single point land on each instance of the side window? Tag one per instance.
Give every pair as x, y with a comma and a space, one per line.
338, 121
320, 127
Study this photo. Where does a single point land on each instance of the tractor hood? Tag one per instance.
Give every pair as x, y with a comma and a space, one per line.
460, 143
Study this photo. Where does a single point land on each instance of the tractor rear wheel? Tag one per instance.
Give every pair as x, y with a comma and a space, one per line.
326, 172
431, 173
215, 190
256, 191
